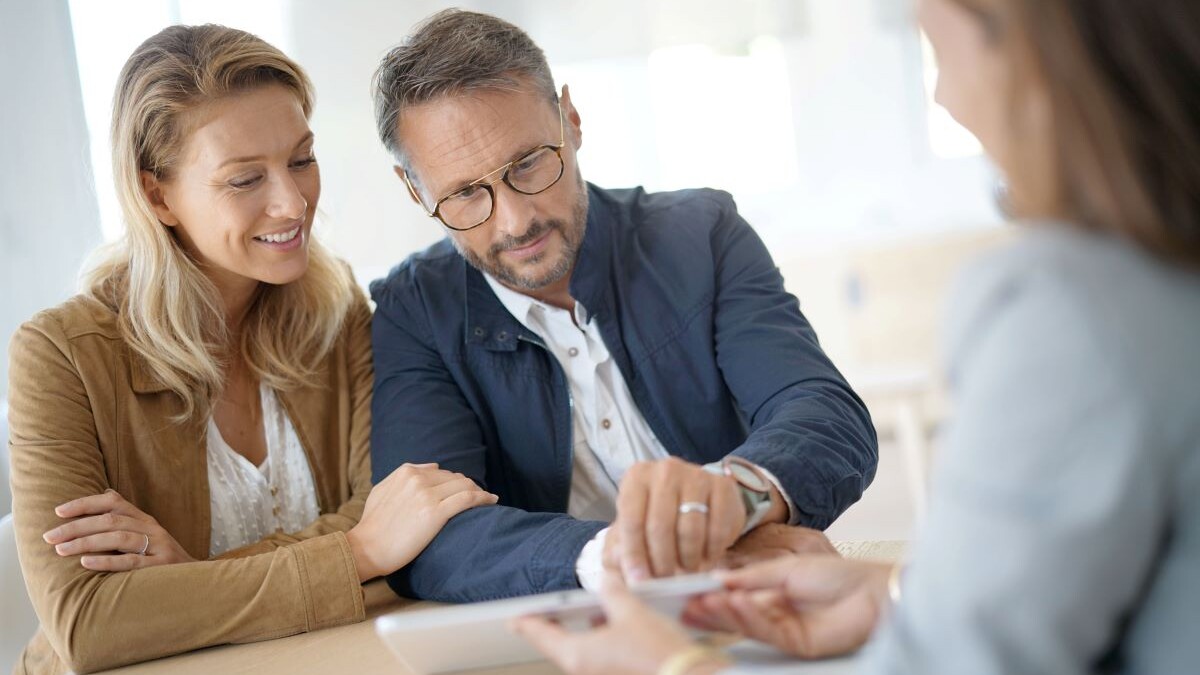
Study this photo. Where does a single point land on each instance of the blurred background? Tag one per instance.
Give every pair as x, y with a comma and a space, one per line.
817, 115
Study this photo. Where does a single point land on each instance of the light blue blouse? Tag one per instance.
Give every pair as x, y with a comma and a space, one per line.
1063, 532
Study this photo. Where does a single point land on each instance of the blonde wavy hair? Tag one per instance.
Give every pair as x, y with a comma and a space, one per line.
169, 312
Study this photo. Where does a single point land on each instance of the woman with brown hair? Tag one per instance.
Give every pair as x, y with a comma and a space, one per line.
1063, 533
190, 436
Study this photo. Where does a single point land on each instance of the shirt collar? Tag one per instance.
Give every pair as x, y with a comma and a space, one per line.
521, 306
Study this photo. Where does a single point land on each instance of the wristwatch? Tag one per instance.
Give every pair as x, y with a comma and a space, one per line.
754, 487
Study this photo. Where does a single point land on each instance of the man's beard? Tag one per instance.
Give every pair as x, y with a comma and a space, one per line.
572, 236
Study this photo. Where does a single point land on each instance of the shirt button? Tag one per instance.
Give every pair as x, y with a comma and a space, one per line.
572, 352
607, 424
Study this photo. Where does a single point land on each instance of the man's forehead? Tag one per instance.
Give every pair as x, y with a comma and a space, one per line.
456, 139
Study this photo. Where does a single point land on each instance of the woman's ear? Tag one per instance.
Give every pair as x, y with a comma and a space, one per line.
152, 189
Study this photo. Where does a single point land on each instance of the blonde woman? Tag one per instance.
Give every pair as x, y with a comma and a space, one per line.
189, 436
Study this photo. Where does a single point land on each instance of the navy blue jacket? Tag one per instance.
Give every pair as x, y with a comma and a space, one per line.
716, 353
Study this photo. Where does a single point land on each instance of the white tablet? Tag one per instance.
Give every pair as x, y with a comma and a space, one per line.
465, 637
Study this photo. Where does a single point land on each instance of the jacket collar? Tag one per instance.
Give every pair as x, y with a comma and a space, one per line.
486, 321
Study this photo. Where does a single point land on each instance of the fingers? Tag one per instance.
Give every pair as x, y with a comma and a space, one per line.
692, 527
461, 501
611, 557
662, 514
616, 599
632, 501
105, 522
761, 618
114, 563
726, 515
549, 638
458, 483
711, 612
768, 574
125, 542
105, 502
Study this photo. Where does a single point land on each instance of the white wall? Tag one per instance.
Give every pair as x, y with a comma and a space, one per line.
858, 140
48, 218
48, 215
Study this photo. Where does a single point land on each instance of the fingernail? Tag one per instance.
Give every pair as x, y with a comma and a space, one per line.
638, 574
50, 536
59, 549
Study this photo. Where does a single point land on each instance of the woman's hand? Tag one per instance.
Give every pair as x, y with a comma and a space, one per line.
405, 511
112, 535
811, 606
775, 540
634, 638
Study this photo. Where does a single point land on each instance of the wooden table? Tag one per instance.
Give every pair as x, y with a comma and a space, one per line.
356, 649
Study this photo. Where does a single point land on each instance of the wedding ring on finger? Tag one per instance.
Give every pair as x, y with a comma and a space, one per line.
146, 546
694, 507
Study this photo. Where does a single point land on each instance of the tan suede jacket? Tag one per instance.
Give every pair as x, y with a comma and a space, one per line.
86, 415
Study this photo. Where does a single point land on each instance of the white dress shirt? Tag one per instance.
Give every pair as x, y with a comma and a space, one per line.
249, 502
609, 432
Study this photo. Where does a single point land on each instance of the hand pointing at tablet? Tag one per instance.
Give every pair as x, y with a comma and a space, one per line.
674, 516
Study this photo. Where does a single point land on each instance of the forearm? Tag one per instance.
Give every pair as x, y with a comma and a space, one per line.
821, 448
98, 621
497, 552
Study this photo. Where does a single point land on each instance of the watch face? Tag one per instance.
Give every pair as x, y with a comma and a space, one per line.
746, 474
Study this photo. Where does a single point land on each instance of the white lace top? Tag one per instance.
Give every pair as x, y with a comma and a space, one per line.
249, 502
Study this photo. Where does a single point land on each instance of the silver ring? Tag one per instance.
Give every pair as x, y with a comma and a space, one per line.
147, 546
693, 507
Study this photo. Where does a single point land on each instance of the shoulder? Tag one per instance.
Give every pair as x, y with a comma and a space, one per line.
80, 335
431, 270
691, 209
77, 318
1103, 302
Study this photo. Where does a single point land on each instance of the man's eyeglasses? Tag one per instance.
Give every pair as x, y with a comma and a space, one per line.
473, 204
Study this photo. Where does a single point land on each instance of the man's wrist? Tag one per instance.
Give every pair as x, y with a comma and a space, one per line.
780, 512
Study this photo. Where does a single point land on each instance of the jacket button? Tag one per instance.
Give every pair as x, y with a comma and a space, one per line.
572, 352
607, 424
502, 336
480, 332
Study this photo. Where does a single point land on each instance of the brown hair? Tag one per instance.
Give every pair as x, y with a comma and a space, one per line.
450, 52
169, 312
1122, 82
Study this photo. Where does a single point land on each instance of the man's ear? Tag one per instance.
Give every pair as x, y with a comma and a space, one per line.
152, 189
408, 183
571, 116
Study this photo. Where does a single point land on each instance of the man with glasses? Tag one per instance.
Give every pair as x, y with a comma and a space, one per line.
625, 370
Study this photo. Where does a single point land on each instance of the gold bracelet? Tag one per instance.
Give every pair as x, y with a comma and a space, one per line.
893, 584
682, 662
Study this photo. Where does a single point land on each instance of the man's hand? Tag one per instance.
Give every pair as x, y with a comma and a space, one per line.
776, 540
655, 535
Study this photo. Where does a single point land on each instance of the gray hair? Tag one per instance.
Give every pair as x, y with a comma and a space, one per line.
451, 52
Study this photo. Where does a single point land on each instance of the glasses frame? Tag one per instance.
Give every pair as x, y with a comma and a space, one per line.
488, 185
